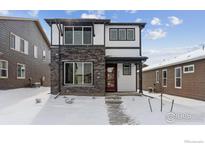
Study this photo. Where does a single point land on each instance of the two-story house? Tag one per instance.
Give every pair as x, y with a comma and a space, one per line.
24, 53
94, 56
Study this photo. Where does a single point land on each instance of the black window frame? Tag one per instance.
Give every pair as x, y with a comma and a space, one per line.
130, 70
118, 39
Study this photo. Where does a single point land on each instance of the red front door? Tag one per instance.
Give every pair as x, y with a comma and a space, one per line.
111, 77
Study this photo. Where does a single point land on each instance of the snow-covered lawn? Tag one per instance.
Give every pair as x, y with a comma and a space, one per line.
18, 106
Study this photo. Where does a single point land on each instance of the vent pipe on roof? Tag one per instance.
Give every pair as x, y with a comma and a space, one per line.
203, 47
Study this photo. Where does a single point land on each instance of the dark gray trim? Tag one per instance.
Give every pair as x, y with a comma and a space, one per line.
118, 38
79, 46
127, 24
140, 78
124, 59
122, 47
140, 40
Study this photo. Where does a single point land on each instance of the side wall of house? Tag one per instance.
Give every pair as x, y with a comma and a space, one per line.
94, 54
36, 68
193, 84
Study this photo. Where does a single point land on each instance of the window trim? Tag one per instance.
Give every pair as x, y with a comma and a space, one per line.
130, 72
82, 36
78, 85
25, 71
192, 65
118, 34
34, 51
23, 45
164, 70
7, 69
178, 77
157, 76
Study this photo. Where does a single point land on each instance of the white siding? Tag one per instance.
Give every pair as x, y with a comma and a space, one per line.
55, 35
99, 34
135, 43
122, 52
126, 82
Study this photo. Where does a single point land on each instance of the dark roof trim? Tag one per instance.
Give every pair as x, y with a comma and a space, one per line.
63, 20
125, 59
128, 24
32, 20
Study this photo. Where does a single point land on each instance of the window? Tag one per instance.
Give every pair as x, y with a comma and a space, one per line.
87, 35
78, 73
189, 69
113, 34
78, 35
157, 76
22, 49
131, 34
21, 71
68, 35
122, 34
12, 41
164, 78
35, 51
3, 69
44, 55
178, 77
126, 69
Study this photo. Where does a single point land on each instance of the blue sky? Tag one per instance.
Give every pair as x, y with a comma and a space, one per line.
167, 33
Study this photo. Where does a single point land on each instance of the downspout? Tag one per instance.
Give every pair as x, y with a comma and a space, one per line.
59, 59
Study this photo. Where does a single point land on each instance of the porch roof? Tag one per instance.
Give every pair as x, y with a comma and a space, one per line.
125, 59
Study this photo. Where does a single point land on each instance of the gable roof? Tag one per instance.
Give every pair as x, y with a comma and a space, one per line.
36, 21
188, 57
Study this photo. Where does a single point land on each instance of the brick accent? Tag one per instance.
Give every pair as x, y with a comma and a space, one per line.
193, 84
95, 54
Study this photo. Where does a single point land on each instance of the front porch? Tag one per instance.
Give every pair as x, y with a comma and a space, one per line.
123, 75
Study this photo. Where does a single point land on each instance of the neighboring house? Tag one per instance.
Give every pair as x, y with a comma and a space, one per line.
94, 56
24, 53
183, 75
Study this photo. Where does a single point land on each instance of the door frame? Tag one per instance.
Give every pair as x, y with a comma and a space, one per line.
111, 65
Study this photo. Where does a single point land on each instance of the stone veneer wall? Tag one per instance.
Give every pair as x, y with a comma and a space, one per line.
95, 54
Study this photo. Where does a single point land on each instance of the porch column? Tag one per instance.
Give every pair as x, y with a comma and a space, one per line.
136, 66
140, 77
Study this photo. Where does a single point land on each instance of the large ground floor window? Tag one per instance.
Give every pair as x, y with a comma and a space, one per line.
178, 77
3, 69
78, 73
21, 71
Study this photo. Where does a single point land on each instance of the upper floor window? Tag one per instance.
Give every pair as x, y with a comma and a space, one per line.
12, 41
78, 35
3, 69
122, 34
189, 69
113, 34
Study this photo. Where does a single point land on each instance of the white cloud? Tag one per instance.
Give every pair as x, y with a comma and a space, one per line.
94, 14
33, 13
4, 12
69, 12
175, 20
131, 11
155, 21
138, 20
156, 34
